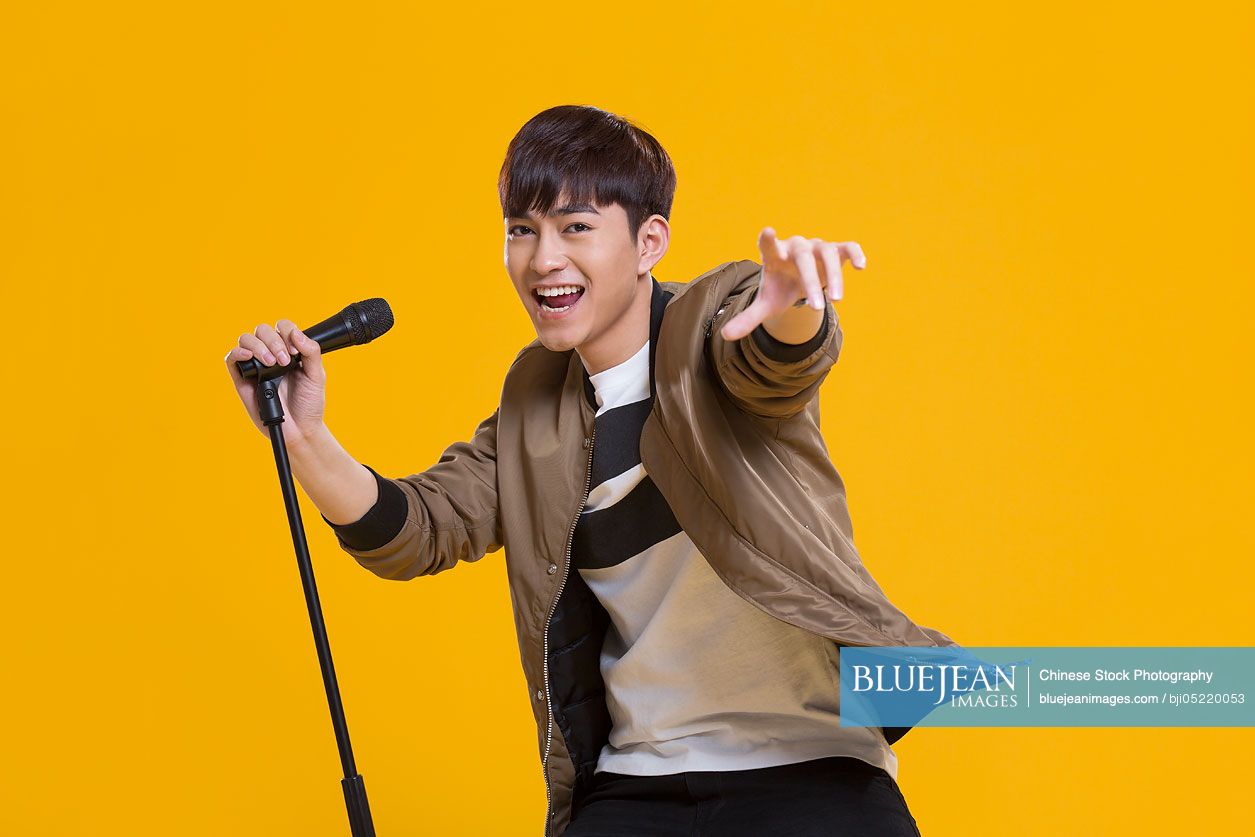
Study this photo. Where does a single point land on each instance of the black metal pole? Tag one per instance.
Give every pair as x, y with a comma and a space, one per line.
352, 784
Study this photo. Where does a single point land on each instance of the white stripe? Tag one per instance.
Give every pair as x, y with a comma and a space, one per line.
614, 489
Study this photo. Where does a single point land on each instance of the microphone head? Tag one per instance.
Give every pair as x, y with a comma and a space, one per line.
368, 319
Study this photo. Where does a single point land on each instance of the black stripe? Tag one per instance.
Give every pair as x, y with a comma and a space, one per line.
610, 536
618, 442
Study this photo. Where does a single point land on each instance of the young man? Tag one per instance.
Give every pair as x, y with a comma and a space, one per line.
678, 546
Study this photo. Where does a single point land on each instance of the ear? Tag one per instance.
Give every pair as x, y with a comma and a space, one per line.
651, 243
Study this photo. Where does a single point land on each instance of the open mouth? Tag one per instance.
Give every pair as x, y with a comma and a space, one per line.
557, 300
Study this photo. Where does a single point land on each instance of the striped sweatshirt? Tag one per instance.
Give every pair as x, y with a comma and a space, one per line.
697, 678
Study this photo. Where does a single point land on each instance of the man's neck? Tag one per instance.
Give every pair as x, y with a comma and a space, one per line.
624, 338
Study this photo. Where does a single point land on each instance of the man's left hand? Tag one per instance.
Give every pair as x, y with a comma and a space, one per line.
795, 271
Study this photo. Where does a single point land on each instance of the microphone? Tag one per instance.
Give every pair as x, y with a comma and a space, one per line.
359, 322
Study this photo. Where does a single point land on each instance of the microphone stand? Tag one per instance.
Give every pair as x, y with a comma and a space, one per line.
271, 411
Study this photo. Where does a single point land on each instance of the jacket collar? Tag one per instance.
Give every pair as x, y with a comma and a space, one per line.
657, 306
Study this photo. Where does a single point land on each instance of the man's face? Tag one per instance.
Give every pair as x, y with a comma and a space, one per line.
575, 270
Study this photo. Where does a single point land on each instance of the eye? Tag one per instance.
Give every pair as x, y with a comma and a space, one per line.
512, 230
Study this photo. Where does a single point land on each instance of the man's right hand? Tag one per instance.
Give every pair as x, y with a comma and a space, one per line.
302, 390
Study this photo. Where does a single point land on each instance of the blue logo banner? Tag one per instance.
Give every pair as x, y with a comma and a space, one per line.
1047, 686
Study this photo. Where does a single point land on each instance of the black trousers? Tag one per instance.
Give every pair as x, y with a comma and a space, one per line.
837, 796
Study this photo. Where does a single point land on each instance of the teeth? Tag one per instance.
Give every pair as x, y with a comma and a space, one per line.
565, 289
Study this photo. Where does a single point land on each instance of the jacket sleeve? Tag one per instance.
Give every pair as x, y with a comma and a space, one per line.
764, 376
427, 522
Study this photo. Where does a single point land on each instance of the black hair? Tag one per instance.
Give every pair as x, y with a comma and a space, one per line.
595, 156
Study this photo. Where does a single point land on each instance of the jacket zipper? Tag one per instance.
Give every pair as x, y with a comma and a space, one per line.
588, 478
710, 324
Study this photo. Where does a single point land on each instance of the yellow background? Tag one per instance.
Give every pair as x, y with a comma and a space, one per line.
1041, 412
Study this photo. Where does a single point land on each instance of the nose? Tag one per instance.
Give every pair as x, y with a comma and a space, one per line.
548, 255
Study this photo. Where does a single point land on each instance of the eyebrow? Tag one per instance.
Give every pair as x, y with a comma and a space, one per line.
569, 209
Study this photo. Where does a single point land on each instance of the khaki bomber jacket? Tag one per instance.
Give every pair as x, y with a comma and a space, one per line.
733, 444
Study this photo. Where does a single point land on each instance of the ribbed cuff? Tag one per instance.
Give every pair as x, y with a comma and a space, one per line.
381, 523
788, 352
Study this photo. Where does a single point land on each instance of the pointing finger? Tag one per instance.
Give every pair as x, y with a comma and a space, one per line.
770, 246
832, 267
855, 254
804, 256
